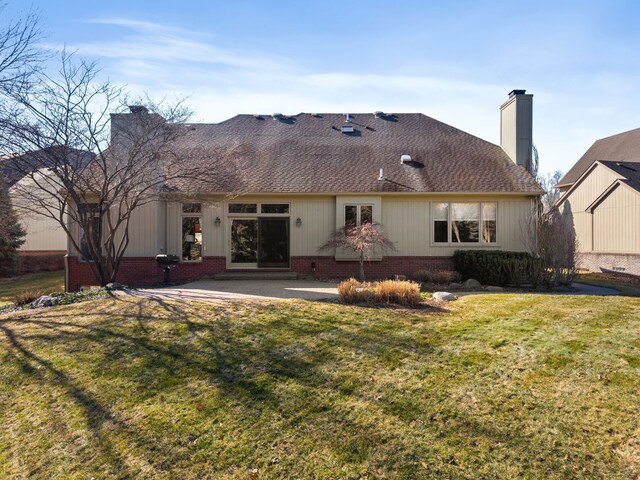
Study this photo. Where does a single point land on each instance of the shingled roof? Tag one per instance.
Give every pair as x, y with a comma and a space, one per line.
308, 153
629, 170
623, 147
18, 166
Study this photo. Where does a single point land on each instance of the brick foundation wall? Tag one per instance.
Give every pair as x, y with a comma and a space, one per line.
620, 262
40, 260
140, 271
328, 267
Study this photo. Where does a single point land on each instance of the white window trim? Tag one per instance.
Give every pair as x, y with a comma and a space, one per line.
449, 243
258, 212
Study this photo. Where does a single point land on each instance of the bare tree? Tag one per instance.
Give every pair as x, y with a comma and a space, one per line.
89, 170
362, 239
551, 194
19, 55
553, 243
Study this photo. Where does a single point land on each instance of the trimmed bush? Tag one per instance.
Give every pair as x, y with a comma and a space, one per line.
494, 267
401, 292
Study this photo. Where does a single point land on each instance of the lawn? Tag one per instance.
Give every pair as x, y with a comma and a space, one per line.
44, 282
496, 386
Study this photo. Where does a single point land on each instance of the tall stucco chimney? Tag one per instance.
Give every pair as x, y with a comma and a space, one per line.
516, 128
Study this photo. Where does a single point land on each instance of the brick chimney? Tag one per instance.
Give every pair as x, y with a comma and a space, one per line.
516, 128
135, 129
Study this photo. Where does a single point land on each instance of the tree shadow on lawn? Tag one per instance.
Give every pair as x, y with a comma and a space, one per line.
248, 366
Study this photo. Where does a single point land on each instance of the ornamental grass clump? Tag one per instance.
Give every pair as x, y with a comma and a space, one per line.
400, 292
353, 291
26, 296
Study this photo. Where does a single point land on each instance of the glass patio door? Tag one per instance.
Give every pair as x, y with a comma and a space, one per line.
273, 242
244, 242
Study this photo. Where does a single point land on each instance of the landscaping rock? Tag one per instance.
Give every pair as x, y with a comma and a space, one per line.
455, 286
113, 286
444, 296
491, 288
472, 284
44, 301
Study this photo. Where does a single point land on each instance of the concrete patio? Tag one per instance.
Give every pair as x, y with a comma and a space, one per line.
220, 290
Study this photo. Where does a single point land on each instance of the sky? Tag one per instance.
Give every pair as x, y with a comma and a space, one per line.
455, 61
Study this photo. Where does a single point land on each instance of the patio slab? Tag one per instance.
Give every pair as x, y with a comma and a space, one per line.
230, 290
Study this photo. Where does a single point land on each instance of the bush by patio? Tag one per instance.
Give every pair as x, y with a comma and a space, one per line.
491, 267
399, 292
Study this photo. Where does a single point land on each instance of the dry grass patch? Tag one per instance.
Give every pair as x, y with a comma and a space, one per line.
499, 386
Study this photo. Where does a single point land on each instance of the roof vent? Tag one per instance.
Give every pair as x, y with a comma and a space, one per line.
346, 129
347, 118
378, 114
381, 176
277, 116
404, 159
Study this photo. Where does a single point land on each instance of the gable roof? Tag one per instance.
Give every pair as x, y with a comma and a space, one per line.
307, 153
623, 147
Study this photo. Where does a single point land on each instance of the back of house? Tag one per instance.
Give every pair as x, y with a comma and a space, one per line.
283, 183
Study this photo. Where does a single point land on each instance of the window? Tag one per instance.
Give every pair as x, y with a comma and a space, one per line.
191, 208
257, 209
243, 208
357, 215
274, 208
489, 215
191, 232
93, 229
465, 225
441, 222
464, 222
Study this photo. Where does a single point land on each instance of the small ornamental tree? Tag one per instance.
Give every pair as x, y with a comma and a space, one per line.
363, 239
11, 232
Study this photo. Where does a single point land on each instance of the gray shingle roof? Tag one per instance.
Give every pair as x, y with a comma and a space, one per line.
629, 170
308, 153
623, 147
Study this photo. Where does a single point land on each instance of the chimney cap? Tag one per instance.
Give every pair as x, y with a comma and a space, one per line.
516, 92
138, 109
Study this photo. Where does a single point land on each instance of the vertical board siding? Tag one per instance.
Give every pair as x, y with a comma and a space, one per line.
408, 224
616, 222
42, 234
318, 216
145, 237
585, 193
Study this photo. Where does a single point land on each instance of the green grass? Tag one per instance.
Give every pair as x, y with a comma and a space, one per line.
45, 282
498, 386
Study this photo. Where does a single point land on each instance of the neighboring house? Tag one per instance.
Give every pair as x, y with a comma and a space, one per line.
285, 182
46, 242
601, 194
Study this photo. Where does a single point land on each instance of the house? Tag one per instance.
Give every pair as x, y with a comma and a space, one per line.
45, 243
284, 183
601, 195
